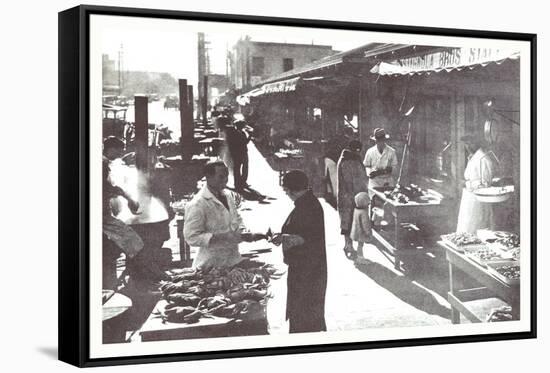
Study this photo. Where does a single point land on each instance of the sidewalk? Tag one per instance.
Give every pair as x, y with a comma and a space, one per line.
358, 297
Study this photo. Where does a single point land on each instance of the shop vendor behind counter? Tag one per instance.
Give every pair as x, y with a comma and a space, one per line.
213, 223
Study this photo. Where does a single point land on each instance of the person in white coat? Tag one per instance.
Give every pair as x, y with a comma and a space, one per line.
380, 161
480, 170
213, 223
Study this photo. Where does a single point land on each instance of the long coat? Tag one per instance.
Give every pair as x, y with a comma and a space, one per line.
352, 179
473, 214
307, 266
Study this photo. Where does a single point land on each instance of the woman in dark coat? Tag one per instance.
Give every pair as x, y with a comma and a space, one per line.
303, 240
351, 179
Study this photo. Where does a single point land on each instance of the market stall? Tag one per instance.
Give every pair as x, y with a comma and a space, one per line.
405, 206
492, 260
210, 303
288, 159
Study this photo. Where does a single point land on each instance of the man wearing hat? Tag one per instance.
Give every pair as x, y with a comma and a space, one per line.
380, 161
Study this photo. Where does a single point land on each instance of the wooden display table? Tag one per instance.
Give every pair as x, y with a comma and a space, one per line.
491, 286
285, 162
402, 213
212, 327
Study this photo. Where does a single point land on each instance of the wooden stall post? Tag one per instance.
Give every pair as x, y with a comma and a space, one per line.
460, 130
190, 135
142, 133
457, 131
360, 110
185, 125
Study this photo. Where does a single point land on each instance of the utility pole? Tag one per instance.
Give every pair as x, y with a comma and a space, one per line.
121, 77
202, 70
120, 70
227, 61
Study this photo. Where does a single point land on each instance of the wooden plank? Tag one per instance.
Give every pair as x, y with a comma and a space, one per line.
154, 329
467, 295
455, 315
462, 308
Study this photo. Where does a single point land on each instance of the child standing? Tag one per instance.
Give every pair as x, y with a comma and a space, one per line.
361, 226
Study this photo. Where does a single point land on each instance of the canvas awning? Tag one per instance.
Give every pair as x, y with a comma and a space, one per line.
445, 60
283, 86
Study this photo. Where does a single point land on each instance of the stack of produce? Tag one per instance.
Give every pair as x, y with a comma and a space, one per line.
462, 239
503, 313
506, 240
404, 194
510, 272
224, 292
485, 254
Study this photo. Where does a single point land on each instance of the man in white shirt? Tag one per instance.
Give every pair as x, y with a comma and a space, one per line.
380, 161
213, 223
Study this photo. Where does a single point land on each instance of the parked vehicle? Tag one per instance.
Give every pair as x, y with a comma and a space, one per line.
171, 102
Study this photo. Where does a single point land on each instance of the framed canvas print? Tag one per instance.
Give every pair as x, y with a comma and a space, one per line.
234, 186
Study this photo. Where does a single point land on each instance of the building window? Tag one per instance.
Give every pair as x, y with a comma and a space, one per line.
288, 64
257, 66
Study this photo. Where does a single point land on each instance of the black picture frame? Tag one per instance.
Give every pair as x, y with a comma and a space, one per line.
74, 182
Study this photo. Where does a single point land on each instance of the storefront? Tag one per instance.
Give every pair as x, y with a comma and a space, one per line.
314, 104
452, 92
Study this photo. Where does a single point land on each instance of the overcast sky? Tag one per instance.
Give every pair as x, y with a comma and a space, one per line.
162, 45
171, 46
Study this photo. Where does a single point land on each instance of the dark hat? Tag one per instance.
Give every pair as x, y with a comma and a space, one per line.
379, 134
239, 123
295, 180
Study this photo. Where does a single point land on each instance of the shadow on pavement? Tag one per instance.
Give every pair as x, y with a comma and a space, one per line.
262, 251
403, 288
251, 194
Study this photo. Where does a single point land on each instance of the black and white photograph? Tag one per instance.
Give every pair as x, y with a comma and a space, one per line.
258, 184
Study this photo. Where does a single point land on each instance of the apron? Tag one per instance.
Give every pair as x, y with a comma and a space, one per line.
473, 214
